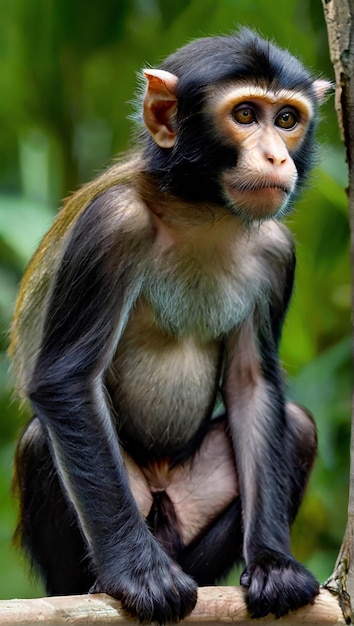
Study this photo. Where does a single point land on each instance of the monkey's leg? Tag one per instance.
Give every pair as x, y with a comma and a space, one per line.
303, 435
193, 508
48, 530
274, 570
213, 555
216, 551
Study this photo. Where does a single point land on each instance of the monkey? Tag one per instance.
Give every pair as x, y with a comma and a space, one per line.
162, 449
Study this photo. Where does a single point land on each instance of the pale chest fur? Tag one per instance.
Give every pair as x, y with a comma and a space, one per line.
202, 294
170, 354
206, 270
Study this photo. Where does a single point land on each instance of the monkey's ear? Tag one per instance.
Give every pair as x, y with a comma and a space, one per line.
322, 88
160, 104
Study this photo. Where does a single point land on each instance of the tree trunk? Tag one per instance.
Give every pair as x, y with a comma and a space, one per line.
339, 16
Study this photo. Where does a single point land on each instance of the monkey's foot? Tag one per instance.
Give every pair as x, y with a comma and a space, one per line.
159, 592
277, 584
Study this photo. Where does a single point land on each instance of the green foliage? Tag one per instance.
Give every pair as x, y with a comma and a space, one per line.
67, 76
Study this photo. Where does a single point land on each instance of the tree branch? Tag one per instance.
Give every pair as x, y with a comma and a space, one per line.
215, 605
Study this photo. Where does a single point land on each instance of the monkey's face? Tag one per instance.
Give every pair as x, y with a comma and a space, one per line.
266, 128
246, 144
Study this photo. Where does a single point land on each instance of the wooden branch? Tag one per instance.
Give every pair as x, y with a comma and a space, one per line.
215, 605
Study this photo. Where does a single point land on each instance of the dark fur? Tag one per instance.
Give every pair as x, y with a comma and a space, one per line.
79, 522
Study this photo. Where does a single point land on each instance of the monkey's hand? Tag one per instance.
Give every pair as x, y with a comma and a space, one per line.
152, 588
277, 584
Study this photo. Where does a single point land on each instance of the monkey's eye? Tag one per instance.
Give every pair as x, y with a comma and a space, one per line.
286, 119
244, 114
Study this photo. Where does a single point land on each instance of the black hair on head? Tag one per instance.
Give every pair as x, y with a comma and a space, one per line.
241, 55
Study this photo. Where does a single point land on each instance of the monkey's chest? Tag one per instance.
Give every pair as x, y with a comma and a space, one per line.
161, 386
199, 296
166, 370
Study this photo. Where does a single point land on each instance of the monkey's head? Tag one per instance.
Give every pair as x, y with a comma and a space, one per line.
231, 120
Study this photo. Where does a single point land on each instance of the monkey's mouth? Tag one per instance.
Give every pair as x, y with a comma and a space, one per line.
254, 187
259, 200
282, 188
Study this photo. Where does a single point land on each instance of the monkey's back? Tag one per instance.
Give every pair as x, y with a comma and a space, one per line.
38, 280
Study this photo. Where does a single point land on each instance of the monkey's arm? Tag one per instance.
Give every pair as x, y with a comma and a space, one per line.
98, 280
266, 453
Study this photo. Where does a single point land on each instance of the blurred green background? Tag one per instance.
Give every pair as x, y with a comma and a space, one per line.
67, 80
